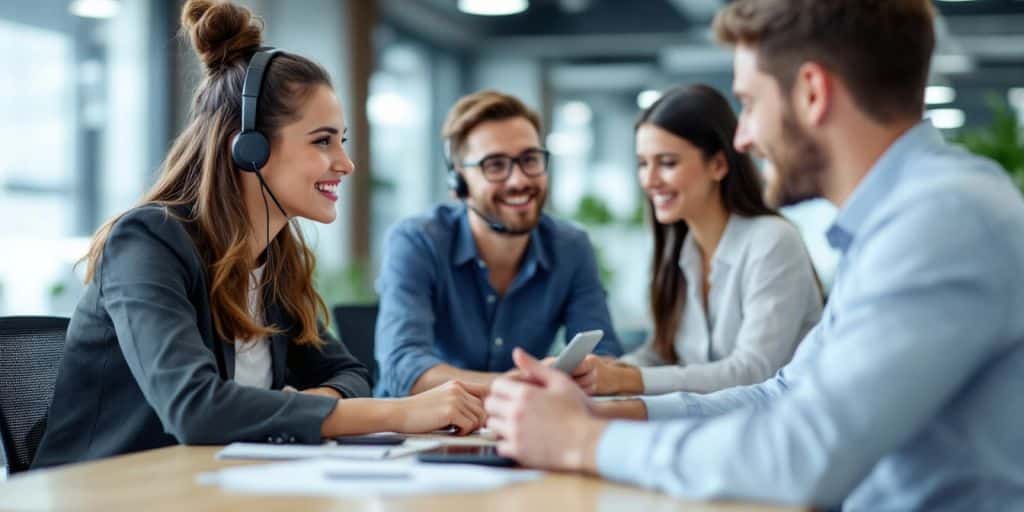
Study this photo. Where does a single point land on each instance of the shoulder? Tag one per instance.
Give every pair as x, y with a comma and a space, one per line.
152, 222
436, 225
769, 237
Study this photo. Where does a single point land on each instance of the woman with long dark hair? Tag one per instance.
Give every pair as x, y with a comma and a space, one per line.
199, 323
732, 287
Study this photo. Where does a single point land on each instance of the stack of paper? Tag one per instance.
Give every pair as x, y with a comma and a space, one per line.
305, 451
337, 477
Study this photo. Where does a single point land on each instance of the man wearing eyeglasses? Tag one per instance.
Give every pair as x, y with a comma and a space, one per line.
464, 285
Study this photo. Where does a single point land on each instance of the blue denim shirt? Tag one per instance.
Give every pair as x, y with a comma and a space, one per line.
909, 395
437, 305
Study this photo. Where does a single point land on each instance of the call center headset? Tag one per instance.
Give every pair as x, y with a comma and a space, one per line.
457, 184
250, 149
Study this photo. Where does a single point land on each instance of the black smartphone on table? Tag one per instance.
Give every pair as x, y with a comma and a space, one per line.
371, 440
463, 454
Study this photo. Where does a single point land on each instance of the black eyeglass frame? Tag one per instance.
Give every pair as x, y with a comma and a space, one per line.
512, 161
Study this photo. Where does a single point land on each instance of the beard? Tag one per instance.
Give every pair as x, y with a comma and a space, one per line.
799, 163
517, 223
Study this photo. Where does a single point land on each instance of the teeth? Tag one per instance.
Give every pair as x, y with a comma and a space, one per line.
327, 187
517, 201
660, 199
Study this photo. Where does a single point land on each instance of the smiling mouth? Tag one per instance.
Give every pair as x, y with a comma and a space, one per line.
663, 199
517, 200
328, 188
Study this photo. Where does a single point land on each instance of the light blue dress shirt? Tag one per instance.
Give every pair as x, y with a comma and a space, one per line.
437, 304
909, 395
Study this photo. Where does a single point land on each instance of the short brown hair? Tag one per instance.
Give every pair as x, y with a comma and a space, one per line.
477, 108
880, 48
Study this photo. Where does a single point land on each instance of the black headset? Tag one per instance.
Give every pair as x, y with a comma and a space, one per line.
456, 182
250, 149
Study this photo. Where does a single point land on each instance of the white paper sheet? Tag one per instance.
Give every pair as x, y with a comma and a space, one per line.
337, 477
304, 451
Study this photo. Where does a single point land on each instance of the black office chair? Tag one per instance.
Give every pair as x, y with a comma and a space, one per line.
356, 328
31, 348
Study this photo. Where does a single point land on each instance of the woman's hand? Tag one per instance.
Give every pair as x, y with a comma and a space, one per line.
603, 376
452, 403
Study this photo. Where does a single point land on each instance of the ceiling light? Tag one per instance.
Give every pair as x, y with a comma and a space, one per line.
946, 118
94, 8
493, 7
647, 98
939, 94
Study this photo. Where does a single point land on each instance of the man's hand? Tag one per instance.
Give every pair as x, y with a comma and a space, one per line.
542, 418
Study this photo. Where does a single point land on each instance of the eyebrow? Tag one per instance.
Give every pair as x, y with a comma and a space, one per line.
662, 155
329, 129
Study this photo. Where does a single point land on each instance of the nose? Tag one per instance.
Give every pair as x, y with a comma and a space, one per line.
648, 177
517, 177
342, 163
743, 141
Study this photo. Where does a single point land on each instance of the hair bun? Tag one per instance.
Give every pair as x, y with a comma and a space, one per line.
221, 32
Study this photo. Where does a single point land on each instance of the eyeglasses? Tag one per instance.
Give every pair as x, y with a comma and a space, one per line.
498, 168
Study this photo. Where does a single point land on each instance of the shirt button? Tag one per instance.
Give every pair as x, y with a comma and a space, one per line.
481, 264
498, 342
490, 299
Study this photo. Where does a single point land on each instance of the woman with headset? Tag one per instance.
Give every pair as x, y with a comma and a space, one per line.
732, 290
199, 323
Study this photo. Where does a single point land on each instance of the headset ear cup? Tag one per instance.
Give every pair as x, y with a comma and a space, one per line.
250, 150
458, 184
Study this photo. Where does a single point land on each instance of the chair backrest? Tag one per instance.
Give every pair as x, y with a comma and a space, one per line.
356, 328
31, 348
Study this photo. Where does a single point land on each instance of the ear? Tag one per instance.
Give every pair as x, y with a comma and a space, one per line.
813, 93
719, 166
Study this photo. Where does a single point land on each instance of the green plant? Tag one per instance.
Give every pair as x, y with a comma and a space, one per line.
349, 283
592, 211
1001, 140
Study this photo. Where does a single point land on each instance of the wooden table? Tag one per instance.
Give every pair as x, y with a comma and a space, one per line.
164, 479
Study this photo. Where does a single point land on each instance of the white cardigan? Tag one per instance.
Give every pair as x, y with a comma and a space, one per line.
763, 299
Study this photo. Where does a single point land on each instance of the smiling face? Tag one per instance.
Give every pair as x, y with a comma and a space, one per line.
768, 127
307, 159
679, 179
516, 202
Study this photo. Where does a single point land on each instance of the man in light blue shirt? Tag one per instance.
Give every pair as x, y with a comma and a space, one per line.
908, 394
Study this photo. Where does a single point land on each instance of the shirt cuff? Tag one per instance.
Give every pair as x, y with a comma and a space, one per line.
622, 450
405, 375
670, 406
660, 379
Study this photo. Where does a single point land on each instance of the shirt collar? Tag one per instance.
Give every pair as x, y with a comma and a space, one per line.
878, 184
465, 245
725, 254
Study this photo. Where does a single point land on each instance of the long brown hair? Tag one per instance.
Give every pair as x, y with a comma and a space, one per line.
200, 186
703, 117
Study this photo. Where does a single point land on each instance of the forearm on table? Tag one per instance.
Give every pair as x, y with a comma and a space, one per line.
441, 373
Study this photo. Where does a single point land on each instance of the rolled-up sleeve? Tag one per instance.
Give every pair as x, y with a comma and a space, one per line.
405, 322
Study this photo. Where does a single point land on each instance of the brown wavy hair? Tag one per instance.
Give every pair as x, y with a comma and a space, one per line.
199, 185
703, 117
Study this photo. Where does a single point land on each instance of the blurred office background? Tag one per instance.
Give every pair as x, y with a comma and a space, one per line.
93, 91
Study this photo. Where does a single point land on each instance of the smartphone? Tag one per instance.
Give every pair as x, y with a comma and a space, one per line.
371, 440
581, 345
463, 454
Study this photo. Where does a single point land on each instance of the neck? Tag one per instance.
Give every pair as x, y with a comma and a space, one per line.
499, 251
708, 229
850, 163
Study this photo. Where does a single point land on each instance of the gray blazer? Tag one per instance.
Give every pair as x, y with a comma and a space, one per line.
140, 369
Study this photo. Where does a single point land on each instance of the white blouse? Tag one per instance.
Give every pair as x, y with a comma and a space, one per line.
252, 357
763, 298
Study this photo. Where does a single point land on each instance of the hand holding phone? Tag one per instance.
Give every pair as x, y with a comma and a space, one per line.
581, 345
